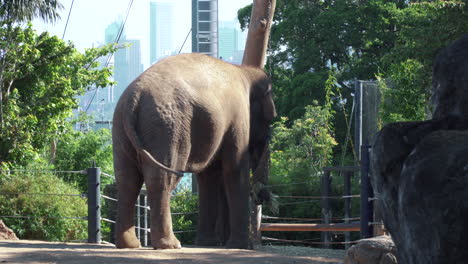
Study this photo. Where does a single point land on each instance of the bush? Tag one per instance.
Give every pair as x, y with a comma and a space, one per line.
77, 150
19, 198
298, 154
185, 204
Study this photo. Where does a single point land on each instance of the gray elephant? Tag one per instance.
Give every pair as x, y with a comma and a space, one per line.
191, 113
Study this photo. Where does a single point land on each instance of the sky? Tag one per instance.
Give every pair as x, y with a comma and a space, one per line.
89, 19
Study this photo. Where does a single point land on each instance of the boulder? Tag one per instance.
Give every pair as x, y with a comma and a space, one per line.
6, 233
376, 250
419, 170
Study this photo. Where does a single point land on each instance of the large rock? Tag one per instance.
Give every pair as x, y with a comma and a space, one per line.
377, 250
6, 233
419, 171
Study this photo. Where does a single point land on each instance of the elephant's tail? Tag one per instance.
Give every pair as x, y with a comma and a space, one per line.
129, 124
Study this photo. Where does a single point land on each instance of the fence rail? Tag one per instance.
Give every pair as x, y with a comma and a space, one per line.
311, 227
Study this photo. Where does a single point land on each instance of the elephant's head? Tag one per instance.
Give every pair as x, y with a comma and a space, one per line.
262, 112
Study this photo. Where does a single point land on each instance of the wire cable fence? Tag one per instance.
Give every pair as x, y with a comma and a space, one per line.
40, 205
326, 217
336, 204
184, 221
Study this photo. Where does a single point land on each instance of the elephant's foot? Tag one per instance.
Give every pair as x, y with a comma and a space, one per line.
241, 244
127, 240
166, 243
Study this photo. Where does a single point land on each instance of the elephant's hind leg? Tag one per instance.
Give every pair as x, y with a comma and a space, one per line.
129, 182
159, 185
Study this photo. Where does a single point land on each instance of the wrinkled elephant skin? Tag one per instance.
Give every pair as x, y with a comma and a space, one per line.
192, 113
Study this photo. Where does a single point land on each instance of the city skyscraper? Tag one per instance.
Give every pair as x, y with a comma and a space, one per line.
127, 62
205, 27
231, 42
228, 40
161, 30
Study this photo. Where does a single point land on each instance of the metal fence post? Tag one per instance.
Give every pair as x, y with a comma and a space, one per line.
326, 206
145, 225
138, 217
347, 205
367, 210
94, 204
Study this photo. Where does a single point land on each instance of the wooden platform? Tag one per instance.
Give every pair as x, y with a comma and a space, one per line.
341, 227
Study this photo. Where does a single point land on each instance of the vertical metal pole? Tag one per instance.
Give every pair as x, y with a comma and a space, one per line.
138, 217
145, 219
326, 211
194, 25
347, 206
194, 183
366, 195
358, 99
94, 205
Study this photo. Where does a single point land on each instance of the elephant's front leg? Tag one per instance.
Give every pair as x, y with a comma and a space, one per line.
159, 186
213, 222
237, 186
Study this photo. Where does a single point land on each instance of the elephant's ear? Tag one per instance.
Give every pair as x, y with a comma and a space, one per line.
262, 97
269, 110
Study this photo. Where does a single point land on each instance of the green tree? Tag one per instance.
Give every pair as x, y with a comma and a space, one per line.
41, 75
22, 11
422, 29
78, 150
395, 40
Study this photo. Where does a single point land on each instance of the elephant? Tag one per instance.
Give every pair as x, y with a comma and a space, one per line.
191, 113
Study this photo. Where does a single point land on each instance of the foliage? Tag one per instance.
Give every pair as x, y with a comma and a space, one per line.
404, 97
78, 150
185, 204
360, 39
40, 75
25, 199
300, 152
424, 28
20, 11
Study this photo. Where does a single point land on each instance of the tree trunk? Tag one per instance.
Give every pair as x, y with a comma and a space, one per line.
259, 32
254, 55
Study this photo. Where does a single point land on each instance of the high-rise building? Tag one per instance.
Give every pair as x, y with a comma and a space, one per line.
231, 42
161, 28
127, 59
228, 35
127, 64
205, 27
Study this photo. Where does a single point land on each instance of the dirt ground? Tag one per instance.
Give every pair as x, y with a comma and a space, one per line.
27, 251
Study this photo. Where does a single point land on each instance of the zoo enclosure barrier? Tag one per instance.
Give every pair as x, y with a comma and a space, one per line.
365, 226
329, 225
97, 204
41, 194
141, 217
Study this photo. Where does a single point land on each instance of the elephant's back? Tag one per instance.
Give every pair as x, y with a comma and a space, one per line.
187, 81
188, 101
198, 70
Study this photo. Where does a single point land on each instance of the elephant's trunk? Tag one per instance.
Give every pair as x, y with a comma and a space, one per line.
260, 176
